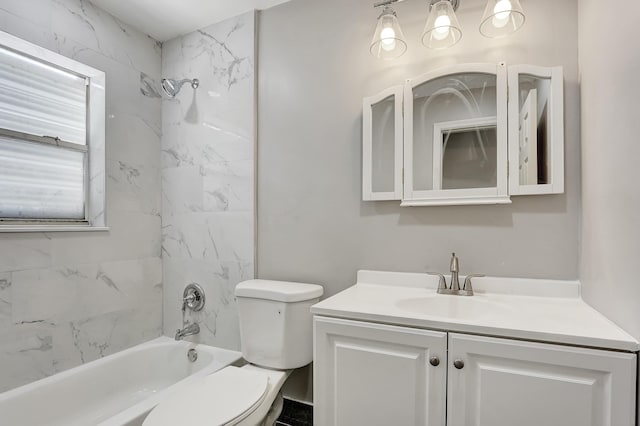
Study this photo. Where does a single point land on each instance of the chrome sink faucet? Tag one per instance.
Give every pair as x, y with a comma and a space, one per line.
189, 330
454, 288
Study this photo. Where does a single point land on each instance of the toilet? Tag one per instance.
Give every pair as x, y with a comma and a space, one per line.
276, 336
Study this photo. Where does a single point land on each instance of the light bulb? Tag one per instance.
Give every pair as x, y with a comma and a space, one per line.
441, 27
388, 39
502, 12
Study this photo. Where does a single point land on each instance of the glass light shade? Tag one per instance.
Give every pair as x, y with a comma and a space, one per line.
442, 29
501, 18
388, 41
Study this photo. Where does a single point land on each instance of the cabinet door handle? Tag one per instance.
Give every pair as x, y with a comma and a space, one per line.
435, 361
459, 364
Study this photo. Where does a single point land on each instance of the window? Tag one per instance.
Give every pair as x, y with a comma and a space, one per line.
52, 140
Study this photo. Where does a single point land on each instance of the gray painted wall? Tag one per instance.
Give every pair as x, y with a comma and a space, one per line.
610, 244
610, 152
314, 70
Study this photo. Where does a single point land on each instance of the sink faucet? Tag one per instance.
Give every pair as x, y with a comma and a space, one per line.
454, 288
454, 267
189, 330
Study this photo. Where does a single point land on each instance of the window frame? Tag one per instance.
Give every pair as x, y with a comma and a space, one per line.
94, 148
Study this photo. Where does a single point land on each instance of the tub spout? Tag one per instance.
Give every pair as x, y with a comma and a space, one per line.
189, 330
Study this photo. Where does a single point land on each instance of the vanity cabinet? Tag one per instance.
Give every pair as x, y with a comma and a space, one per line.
374, 374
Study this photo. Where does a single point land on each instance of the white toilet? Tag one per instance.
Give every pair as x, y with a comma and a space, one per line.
276, 335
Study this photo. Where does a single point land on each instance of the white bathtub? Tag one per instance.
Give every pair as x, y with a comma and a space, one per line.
119, 389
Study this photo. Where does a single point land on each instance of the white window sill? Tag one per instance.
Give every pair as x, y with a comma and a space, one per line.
52, 228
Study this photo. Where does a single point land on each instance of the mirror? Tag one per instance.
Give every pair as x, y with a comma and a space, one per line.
464, 156
465, 134
382, 146
455, 136
382, 155
536, 133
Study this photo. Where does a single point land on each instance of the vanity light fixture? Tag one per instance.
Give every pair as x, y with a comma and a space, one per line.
388, 41
442, 30
501, 18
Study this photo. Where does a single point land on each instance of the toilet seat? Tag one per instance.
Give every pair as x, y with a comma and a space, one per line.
223, 398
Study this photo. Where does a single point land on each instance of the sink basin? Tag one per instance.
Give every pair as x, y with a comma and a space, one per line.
462, 307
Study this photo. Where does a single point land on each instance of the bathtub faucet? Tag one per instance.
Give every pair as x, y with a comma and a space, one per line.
189, 330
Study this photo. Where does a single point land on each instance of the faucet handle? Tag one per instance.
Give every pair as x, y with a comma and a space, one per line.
193, 297
467, 282
454, 266
442, 282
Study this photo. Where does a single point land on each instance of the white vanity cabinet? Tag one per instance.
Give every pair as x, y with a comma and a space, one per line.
373, 374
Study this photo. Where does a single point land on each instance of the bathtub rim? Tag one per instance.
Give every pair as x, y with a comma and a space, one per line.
221, 358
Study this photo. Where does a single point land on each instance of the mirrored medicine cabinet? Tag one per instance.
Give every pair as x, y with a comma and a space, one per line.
465, 134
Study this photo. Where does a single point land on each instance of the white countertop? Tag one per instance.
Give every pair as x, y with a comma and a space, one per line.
530, 309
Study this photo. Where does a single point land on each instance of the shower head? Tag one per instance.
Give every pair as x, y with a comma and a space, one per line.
172, 87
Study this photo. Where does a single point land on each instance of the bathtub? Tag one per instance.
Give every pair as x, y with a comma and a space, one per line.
119, 389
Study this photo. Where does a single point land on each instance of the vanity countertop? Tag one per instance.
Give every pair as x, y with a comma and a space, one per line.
530, 309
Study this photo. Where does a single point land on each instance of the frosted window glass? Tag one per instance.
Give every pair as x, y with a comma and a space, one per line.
40, 99
40, 182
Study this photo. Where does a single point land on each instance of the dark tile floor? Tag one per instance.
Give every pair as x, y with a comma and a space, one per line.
295, 414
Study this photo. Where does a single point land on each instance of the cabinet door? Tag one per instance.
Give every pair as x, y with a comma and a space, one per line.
536, 130
382, 145
372, 374
507, 382
455, 136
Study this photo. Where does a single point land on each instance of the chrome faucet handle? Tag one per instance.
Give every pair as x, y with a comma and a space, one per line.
455, 269
442, 283
467, 288
193, 297
454, 265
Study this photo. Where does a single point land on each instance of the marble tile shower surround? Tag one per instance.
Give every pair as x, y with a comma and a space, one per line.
69, 298
208, 176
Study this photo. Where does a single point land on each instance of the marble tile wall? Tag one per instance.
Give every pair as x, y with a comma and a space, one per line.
69, 298
208, 176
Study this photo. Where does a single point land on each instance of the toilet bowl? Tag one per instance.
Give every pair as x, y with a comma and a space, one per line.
276, 337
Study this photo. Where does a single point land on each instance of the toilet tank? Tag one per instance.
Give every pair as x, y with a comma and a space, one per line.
276, 328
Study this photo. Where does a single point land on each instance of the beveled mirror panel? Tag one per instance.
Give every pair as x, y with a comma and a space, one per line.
536, 131
455, 136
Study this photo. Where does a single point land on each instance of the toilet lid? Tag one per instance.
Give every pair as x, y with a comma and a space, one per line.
224, 397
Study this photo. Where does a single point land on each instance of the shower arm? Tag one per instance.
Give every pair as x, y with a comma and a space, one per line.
194, 83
